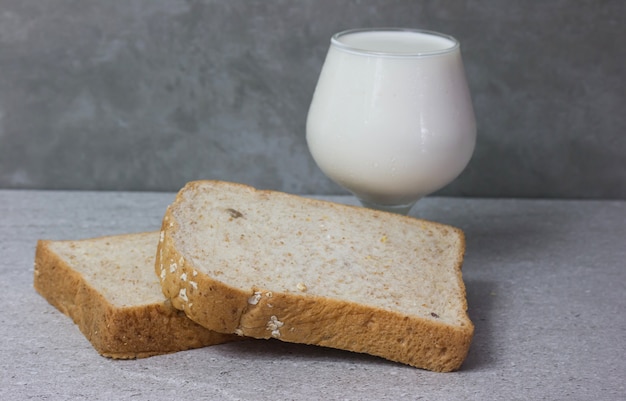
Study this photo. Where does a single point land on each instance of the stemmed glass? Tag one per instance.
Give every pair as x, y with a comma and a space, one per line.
391, 118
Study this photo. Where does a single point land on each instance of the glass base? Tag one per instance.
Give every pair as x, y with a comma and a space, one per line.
398, 209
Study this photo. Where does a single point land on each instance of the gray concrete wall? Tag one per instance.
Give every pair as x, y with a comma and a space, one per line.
149, 94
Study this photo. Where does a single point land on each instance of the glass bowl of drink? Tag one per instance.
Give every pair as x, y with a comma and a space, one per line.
391, 118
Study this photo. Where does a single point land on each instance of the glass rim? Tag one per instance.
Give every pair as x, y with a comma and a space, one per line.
335, 41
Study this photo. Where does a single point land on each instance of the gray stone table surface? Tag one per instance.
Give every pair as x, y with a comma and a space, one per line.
546, 284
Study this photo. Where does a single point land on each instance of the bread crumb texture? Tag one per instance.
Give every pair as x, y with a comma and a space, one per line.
269, 264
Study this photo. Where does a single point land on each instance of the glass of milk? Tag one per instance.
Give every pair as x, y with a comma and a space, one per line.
391, 118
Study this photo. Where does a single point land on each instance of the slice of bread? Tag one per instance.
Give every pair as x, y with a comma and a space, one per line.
271, 265
108, 287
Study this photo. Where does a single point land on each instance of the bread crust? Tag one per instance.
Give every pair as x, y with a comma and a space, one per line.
263, 313
116, 332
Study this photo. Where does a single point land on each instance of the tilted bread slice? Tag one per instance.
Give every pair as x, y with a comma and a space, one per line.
271, 265
108, 287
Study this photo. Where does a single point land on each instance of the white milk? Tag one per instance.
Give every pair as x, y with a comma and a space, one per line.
391, 118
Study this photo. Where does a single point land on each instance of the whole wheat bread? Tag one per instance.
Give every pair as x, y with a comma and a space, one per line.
108, 287
271, 265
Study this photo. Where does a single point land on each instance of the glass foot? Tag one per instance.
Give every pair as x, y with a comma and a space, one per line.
398, 209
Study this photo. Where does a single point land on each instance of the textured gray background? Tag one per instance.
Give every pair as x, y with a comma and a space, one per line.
149, 94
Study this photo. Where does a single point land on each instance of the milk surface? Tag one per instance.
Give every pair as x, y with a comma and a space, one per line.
396, 42
391, 118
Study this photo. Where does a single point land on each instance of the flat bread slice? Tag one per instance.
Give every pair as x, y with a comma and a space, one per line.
108, 287
267, 264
